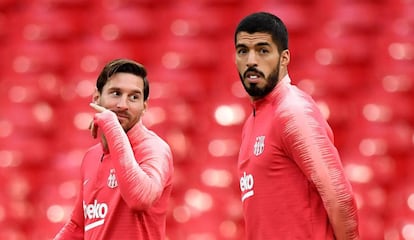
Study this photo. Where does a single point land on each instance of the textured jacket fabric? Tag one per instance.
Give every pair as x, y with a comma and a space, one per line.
291, 178
125, 188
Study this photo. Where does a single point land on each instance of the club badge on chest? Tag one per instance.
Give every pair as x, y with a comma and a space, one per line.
112, 183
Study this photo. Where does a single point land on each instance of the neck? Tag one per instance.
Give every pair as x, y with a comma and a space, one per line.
104, 143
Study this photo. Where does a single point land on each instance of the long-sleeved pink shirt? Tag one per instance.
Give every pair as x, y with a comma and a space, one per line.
125, 190
291, 178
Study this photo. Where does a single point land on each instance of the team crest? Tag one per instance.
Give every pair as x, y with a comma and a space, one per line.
259, 145
112, 183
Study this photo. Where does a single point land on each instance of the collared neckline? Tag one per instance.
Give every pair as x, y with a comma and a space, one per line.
272, 95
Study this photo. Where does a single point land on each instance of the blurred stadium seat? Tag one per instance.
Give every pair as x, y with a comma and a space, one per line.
355, 57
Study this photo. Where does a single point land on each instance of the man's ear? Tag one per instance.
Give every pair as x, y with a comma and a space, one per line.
145, 106
95, 96
285, 58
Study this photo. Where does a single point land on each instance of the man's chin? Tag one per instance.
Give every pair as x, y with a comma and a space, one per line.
258, 92
124, 123
255, 92
126, 128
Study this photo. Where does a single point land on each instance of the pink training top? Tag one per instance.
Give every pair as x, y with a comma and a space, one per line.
291, 177
125, 191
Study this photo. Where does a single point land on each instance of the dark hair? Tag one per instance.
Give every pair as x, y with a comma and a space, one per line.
265, 23
123, 65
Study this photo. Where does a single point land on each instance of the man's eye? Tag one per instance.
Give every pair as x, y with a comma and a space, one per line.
264, 50
241, 51
134, 97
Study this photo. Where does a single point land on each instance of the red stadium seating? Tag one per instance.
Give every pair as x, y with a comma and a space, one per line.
355, 57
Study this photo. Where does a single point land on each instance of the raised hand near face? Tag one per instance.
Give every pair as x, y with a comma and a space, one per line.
93, 126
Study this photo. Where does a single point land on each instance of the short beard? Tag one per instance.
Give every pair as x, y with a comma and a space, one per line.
255, 91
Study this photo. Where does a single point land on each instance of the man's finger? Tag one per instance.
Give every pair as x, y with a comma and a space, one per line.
93, 129
97, 107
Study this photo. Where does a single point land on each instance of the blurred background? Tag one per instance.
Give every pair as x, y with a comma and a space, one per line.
355, 57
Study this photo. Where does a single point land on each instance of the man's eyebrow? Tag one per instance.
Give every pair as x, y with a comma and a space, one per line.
240, 45
263, 44
138, 91
119, 89
114, 89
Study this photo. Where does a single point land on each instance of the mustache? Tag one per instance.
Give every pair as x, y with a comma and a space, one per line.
122, 114
253, 69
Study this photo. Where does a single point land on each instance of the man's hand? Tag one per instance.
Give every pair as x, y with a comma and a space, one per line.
97, 107
93, 127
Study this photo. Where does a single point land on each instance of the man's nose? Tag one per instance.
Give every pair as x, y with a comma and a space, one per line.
251, 59
122, 102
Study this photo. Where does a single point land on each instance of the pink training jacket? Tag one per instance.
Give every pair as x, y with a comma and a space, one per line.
291, 178
125, 191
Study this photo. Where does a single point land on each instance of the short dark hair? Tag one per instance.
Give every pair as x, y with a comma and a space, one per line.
123, 65
265, 23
